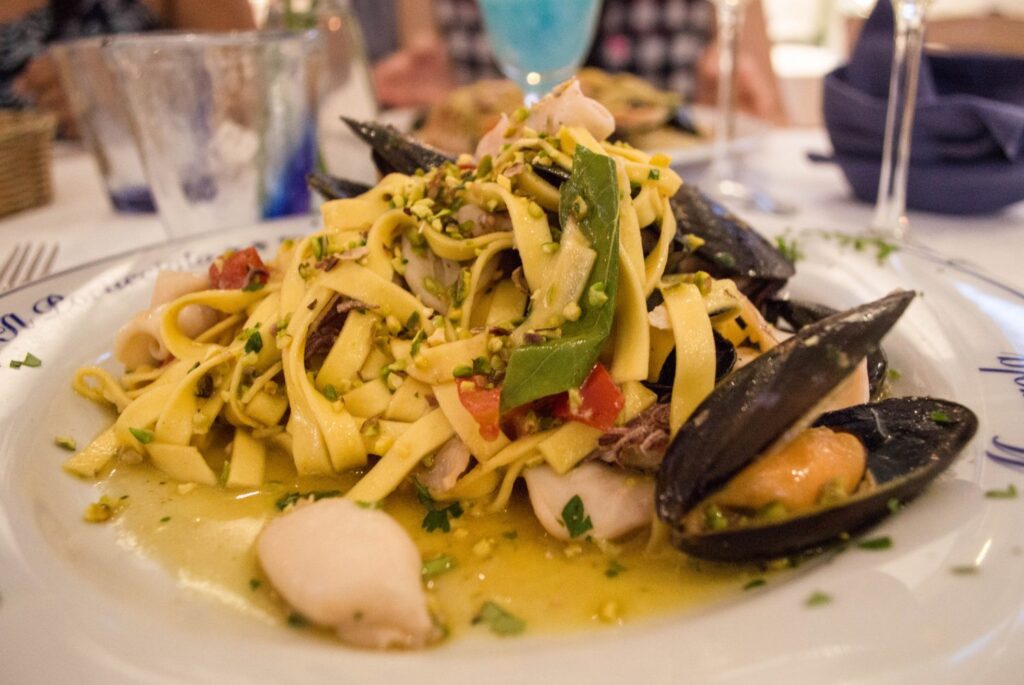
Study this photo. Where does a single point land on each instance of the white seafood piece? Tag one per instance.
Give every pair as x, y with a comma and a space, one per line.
566, 105
139, 342
351, 569
617, 502
449, 463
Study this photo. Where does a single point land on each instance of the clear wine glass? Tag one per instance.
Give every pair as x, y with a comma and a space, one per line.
723, 177
890, 218
539, 43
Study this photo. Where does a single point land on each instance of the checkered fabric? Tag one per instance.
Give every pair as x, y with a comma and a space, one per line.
660, 40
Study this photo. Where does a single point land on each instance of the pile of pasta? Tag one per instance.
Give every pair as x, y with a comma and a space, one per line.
385, 396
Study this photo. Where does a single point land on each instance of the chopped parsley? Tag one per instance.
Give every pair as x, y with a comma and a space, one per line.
940, 417
30, 360
789, 249
1009, 493
818, 599
142, 435
893, 504
874, 544
755, 583
65, 443
254, 584
437, 566
510, 534
330, 392
894, 375
254, 343
436, 519
165, 519
966, 570
614, 568
500, 621
253, 285
575, 518
654, 174
291, 498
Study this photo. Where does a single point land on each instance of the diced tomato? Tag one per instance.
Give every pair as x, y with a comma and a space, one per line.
235, 270
483, 404
601, 401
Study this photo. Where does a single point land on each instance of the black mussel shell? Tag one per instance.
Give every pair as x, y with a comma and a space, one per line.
334, 188
393, 151
725, 360
756, 404
909, 440
731, 249
800, 313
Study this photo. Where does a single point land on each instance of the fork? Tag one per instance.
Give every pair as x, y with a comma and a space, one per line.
27, 262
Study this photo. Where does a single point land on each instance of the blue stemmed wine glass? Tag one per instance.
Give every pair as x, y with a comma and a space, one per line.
540, 43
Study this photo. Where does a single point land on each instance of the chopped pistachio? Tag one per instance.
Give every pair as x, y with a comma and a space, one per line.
66, 443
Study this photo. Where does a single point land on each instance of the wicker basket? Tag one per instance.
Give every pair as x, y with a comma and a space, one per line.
25, 175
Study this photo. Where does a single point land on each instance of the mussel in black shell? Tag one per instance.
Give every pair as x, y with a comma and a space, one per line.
755, 419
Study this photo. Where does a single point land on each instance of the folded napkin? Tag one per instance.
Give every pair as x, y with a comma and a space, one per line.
968, 124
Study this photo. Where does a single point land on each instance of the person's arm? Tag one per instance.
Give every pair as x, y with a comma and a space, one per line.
418, 73
207, 15
757, 88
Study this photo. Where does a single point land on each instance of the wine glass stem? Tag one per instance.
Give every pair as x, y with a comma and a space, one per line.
891, 205
729, 16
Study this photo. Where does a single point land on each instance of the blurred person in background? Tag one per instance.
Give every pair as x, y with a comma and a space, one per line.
28, 76
667, 42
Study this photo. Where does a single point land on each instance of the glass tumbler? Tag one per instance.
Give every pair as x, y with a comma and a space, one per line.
226, 122
103, 121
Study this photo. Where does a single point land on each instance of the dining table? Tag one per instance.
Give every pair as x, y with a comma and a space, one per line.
86, 228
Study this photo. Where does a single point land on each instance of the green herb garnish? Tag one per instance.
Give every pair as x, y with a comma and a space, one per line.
884, 542
330, 393
165, 519
755, 583
510, 534
253, 285
654, 174
965, 570
65, 443
1009, 493
297, 620
437, 566
291, 498
500, 621
142, 435
254, 583
436, 519
575, 518
818, 599
789, 249
614, 568
30, 360
893, 504
940, 417
558, 364
254, 343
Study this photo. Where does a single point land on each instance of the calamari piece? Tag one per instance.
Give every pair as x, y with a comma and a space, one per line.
617, 502
449, 463
351, 569
139, 341
566, 105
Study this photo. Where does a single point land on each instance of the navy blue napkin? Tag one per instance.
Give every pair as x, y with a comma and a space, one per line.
968, 135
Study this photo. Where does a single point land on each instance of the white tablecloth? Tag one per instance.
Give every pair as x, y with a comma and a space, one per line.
81, 219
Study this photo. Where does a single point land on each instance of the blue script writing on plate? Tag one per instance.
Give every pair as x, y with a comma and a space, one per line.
1000, 450
12, 322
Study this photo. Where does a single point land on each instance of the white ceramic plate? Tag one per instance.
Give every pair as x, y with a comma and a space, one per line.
76, 607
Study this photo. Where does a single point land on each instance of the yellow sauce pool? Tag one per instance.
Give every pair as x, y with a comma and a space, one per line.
205, 536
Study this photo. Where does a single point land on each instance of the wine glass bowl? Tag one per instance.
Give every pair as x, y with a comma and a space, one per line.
539, 43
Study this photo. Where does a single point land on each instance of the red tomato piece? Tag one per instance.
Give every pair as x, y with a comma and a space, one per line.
601, 401
483, 404
231, 271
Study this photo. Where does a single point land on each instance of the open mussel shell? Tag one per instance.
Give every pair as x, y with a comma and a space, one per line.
800, 313
909, 442
334, 188
731, 249
752, 407
725, 360
393, 151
